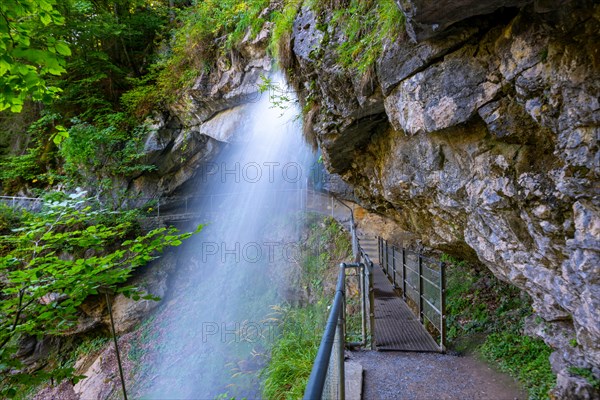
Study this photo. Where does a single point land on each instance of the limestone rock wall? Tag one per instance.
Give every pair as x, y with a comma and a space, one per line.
204, 119
481, 139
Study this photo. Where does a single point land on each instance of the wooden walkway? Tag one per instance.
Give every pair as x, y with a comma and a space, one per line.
396, 327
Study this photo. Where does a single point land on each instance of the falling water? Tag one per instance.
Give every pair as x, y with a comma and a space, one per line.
211, 335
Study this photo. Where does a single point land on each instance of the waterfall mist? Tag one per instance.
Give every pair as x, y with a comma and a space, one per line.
211, 334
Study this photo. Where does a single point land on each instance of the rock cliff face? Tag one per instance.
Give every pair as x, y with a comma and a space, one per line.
207, 117
480, 137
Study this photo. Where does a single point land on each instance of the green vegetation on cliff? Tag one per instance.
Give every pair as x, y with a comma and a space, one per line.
366, 26
121, 61
204, 32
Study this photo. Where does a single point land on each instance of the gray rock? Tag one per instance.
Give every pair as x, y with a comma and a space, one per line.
426, 18
442, 96
127, 313
226, 124
307, 38
400, 59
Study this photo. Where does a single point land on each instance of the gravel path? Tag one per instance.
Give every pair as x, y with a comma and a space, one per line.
422, 376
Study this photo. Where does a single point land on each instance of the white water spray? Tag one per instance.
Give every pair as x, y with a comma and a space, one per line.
209, 336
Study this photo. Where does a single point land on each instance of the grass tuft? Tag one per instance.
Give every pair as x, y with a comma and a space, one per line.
366, 26
523, 357
293, 354
481, 306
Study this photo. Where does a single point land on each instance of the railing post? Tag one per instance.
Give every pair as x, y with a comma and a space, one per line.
371, 305
386, 258
355, 252
394, 266
363, 300
341, 328
382, 265
341, 339
404, 273
420, 287
343, 288
443, 307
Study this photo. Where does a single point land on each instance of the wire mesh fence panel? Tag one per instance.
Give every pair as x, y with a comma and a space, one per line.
432, 315
396, 268
368, 304
421, 280
31, 204
429, 272
354, 310
412, 285
412, 294
431, 293
331, 391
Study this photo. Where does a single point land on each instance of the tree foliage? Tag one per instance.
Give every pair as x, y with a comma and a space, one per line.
53, 261
28, 56
112, 43
104, 151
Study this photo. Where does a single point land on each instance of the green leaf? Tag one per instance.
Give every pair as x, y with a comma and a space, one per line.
16, 108
44, 5
60, 135
62, 49
45, 18
4, 67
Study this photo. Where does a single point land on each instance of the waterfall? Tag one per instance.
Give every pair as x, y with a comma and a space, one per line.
211, 335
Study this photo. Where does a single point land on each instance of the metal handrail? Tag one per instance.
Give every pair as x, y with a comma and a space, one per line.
20, 198
335, 322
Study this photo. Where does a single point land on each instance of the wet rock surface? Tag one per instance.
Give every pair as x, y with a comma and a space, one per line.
486, 148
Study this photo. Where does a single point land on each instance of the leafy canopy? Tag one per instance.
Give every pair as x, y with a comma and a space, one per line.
28, 56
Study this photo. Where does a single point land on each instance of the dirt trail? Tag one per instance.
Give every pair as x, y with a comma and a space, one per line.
423, 376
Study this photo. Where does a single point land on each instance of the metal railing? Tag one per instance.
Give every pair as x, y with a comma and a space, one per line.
327, 378
25, 203
422, 282
182, 207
